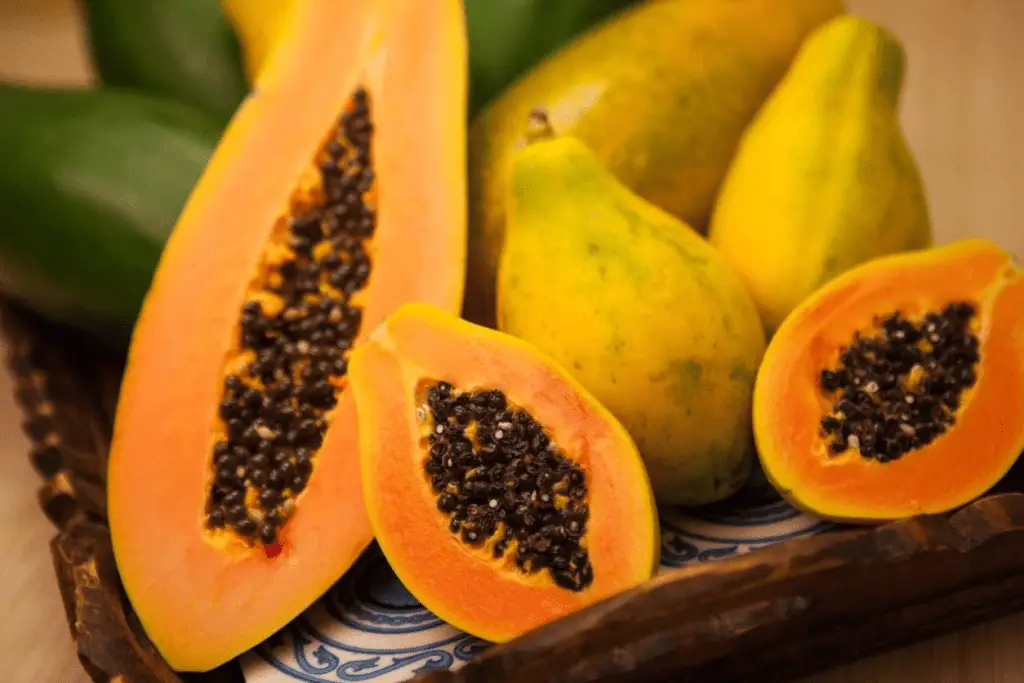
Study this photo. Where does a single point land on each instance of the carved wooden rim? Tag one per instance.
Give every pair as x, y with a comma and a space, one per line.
771, 615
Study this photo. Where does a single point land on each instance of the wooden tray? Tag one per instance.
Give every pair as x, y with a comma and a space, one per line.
770, 615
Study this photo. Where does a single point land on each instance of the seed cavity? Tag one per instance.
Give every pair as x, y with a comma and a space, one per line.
295, 332
899, 389
500, 480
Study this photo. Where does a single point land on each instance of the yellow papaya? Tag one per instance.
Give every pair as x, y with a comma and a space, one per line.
823, 179
641, 309
661, 93
259, 24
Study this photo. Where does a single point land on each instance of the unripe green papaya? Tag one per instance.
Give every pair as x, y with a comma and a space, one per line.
90, 186
823, 179
184, 50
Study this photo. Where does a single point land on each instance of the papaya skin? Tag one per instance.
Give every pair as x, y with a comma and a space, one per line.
661, 93
182, 50
474, 592
642, 311
951, 471
259, 25
506, 38
823, 179
203, 599
60, 144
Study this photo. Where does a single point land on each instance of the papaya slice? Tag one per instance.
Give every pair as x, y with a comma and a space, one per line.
898, 388
501, 492
336, 194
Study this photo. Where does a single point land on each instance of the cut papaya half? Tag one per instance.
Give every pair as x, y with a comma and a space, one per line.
336, 194
898, 389
502, 493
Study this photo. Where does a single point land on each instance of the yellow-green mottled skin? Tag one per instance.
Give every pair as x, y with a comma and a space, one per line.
661, 95
823, 179
641, 309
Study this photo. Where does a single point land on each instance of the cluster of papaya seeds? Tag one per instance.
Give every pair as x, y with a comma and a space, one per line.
823, 178
645, 313
897, 388
502, 493
234, 493
661, 93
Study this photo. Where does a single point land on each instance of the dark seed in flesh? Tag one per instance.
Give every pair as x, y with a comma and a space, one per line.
275, 410
268, 533
269, 498
512, 474
216, 518
898, 388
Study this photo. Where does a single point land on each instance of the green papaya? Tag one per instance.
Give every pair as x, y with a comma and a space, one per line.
182, 49
90, 187
661, 93
507, 38
823, 179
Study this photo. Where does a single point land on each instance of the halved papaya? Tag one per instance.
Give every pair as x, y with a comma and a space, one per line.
897, 389
501, 492
336, 194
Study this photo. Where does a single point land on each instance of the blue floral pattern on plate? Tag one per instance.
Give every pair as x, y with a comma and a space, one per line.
369, 628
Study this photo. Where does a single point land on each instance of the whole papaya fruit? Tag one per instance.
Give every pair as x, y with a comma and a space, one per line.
661, 93
823, 179
258, 25
181, 49
90, 187
641, 309
506, 39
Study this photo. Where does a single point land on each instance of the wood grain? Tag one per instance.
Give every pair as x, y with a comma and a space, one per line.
65, 390
961, 110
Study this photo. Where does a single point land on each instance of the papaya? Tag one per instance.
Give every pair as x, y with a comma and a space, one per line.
507, 39
661, 93
897, 388
180, 49
90, 187
823, 178
234, 494
258, 25
640, 308
502, 493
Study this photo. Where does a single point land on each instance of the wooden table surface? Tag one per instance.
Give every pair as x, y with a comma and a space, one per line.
963, 110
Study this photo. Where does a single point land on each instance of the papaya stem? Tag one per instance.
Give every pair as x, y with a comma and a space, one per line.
538, 126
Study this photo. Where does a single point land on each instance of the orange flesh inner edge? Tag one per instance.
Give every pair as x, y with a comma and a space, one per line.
979, 447
189, 323
480, 594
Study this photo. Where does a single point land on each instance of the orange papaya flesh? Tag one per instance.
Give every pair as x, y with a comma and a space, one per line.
927, 351
502, 493
336, 194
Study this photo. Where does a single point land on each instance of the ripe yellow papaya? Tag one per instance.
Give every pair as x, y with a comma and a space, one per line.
823, 179
661, 93
643, 311
259, 24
